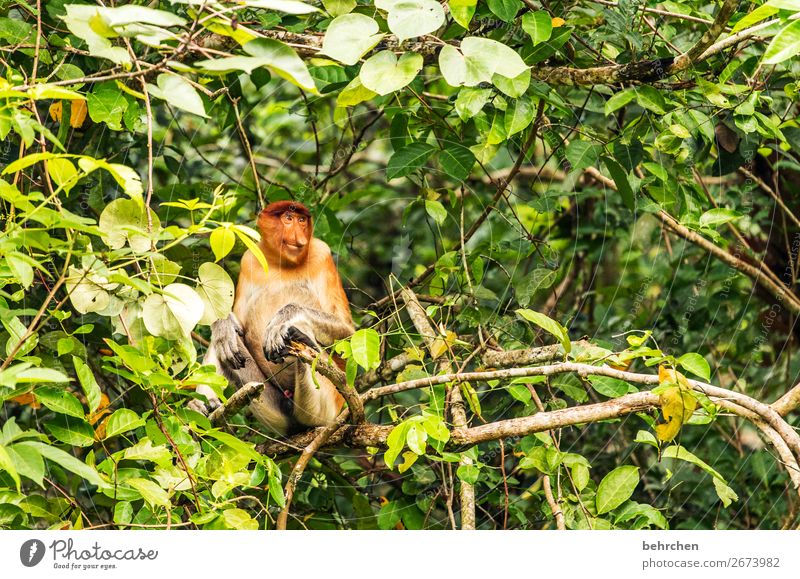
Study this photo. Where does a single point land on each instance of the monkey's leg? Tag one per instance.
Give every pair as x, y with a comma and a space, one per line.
314, 405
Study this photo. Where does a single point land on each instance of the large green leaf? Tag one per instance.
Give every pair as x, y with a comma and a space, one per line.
539, 25
785, 44
411, 18
178, 92
549, 325
384, 73
173, 314
366, 348
478, 60
349, 37
616, 488
408, 159
215, 288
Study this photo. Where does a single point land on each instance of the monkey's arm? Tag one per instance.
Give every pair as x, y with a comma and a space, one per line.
227, 344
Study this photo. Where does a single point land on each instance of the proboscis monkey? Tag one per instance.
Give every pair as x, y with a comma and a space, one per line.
301, 299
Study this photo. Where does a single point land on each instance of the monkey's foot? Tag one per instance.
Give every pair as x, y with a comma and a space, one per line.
276, 350
204, 408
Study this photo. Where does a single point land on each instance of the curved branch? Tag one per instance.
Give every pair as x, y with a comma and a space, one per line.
319, 362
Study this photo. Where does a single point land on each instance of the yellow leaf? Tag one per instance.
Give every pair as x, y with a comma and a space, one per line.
677, 406
409, 458
558, 22
77, 112
55, 111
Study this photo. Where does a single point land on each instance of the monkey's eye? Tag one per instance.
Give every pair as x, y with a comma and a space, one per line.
287, 217
301, 218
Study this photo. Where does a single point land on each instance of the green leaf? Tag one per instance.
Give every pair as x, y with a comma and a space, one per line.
349, 37
436, 210
178, 92
338, 7
760, 13
123, 420
538, 25
412, 18
66, 461
725, 493
7, 464
651, 99
678, 452
718, 216
478, 60
696, 364
125, 220
395, 443
470, 101
107, 104
620, 177
383, 73
28, 462
582, 154
389, 515
549, 325
505, 10
273, 54
462, 11
153, 494
88, 383
619, 100
468, 473
354, 93
62, 172
417, 439
518, 116
408, 159
60, 401
73, 431
366, 348
785, 44
215, 288
456, 161
283, 61
173, 314
610, 387
616, 488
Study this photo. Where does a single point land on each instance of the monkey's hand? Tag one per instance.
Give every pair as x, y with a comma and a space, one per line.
280, 335
226, 340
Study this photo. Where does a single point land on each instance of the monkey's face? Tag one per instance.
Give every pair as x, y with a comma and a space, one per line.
286, 236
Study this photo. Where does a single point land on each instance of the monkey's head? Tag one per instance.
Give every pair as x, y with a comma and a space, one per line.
286, 232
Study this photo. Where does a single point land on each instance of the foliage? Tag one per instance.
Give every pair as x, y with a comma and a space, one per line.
540, 171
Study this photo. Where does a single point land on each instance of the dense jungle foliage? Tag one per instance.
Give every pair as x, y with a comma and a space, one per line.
591, 207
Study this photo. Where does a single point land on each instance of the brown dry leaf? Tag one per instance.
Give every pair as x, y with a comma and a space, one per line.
27, 400
100, 431
102, 409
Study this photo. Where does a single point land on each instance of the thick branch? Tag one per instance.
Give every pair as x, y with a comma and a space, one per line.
788, 402
238, 400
